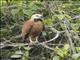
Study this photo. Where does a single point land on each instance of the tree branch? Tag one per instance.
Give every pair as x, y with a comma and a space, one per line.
66, 23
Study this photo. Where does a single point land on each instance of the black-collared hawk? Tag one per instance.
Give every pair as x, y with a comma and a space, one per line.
32, 28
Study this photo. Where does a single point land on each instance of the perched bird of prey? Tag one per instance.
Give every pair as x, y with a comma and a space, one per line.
32, 28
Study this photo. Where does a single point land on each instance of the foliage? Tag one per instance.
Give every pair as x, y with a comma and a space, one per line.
62, 52
14, 12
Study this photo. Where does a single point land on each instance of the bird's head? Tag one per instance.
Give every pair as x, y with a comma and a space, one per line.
37, 17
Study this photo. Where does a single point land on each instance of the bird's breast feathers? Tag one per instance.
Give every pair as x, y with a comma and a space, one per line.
36, 27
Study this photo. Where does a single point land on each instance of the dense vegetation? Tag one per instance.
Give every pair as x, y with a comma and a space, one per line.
62, 25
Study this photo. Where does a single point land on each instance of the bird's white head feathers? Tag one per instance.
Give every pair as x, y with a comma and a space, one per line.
36, 16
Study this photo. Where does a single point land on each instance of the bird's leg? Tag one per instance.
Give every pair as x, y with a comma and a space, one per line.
36, 39
30, 39
31, 42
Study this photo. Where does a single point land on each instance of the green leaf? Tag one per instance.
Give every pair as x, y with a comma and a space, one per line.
15, 56
59, 52
66, 46
27, 48
66, 49
19, 52
56, 58
76, 56
14, 11
60, 16
44, 33
26, 53
78, 49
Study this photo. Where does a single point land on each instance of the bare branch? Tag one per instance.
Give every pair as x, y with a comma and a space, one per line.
4, 44
44, 45
57, 35
69, 36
